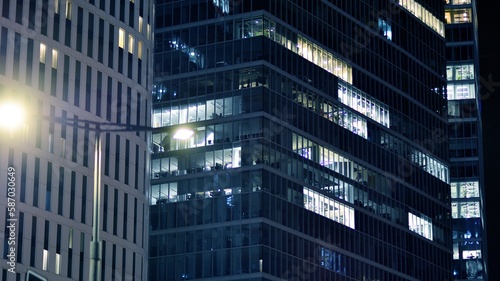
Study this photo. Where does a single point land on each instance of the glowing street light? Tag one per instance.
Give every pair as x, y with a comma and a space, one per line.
11, 115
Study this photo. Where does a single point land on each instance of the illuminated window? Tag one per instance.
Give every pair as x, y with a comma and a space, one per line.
423, 14
45, 259
464, 189
58, 264
139, 50
140, 24
43, 48
148, 31
461, 91
54, 58
465, 210
385, 29
56, 6
130, 44
121, 38
458, 15
422, 225
68, 9
363, 103
328, 207
460, 72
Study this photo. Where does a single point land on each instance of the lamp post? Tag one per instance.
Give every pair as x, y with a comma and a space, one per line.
11, 112
98, 128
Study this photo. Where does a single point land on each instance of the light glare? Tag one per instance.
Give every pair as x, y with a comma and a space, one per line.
11, 115
183, 134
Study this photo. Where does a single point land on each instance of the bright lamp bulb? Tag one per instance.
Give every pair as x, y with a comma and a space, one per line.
11, 115
183, 134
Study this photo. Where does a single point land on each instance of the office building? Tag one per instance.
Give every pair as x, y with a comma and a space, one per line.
466, 153
300, 140
66, 60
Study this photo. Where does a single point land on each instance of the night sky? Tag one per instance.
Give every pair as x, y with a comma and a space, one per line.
489, 52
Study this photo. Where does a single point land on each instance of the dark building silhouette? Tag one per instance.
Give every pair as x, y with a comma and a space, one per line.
300, 140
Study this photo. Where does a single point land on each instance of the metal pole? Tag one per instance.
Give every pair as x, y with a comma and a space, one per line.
95, 244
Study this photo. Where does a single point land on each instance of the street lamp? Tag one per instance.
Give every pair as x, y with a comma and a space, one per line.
10, 112
98, 128
11, 115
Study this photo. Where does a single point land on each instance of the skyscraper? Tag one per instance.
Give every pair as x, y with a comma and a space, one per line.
71, 63
466, 153
300, 140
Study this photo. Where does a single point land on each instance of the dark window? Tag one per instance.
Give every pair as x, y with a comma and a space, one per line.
128, 105
67, 36
113, 263
127, 160
58, 239
84, 200
103, 250
48, 194
60, 200
72, 196
65, 78
112, 7
111, 45
100, 47
29, 61
79, 29
5, 10
98, 94
122, 10
131, 11
86, 145
44, 19
74, 145
135, 220
36, 182
33, 242
17, 55
105, 208
41, 77
125, 215
32, 17
19, 11
115, 212
24, 163
119, 103
57, 20
90, 36
20, 241
107, 148
88, 92
3, 50
117, 158
46, 235
124, 261
78, 70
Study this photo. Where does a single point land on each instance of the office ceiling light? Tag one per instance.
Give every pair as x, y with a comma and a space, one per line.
183, 134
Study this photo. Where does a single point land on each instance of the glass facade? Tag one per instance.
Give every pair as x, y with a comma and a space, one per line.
300, 140
466, 153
